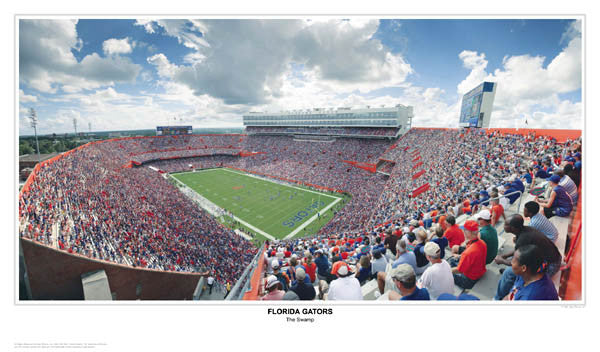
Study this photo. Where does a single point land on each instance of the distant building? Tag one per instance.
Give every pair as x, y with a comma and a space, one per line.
399, 117
28, 161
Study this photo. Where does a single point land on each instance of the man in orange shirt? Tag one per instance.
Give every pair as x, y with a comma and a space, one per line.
497, 210
470, 265
454, 234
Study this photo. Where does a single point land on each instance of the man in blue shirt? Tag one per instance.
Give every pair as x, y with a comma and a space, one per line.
406, 282
323, 266
539, 221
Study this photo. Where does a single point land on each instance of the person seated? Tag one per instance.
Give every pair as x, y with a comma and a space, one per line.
454, 234
305, 291
525, 235
488, 234
497, 210
346, 287
274, 293
379, 263
532, 283
422, 262
323, 266
461, 297
469, 267
437, 279
438, 238
310, 267
539, 222
281, 276
568, 185
559, 203
363, 269
405, 281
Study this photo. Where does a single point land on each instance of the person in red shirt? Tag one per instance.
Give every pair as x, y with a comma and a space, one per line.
497, 209
470, 265
310, 268
454, 234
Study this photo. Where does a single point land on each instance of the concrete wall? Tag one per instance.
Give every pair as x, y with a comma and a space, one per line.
56, 275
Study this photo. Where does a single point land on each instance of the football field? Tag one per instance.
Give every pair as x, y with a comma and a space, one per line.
269, 209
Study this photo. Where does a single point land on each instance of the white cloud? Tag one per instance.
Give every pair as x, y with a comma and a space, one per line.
24, 98
47, 64
117, 46
147, 24
245, 61
528, 90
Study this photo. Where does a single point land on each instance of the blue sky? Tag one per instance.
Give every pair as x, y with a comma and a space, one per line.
136, 74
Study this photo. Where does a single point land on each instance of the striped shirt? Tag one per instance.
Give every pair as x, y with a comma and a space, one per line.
570, 187
542, 224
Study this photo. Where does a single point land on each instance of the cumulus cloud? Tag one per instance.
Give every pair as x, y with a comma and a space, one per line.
528, 90
245, 61
24, 98
147, 24
46, 62
117, 46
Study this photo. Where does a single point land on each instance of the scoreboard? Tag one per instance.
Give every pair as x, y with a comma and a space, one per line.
173, 130
475, 105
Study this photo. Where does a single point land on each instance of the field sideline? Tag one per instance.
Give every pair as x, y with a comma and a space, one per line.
267, 208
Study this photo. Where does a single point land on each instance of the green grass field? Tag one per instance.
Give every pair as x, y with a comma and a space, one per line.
265, 208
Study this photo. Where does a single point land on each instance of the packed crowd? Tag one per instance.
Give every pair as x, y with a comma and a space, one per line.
86, 203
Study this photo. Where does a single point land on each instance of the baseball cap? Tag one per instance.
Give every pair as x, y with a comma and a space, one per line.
578, 155
403, 272
300, 274
484, 214
471, 225
554, 179
570, 158
432, 249
340, 268
271, 281
275, 264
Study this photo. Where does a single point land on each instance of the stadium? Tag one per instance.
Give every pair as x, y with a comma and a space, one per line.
302, 199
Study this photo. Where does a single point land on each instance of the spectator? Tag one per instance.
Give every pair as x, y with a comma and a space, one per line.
405, 281
539, 221
525, 235
454, 234
488, 234
568, 185
306, 292
437, 279
273, 290
440, 240
560, 203
283, 278
310, 268
422, 262
404, 256
469, 267
390, 244
532, 283
346, 287
497, 210
378, 264
323, 266
363, 270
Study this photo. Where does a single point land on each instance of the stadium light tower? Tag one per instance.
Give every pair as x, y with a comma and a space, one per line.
75, 125
33, 119
90, 127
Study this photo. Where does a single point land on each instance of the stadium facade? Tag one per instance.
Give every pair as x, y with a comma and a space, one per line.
399, 117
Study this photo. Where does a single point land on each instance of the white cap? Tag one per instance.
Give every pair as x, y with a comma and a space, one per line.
271, 281
484, 214
432, 249
275, 264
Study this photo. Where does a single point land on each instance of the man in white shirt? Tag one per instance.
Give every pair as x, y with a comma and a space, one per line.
346, 287
504, 202
210, 281
437, 279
